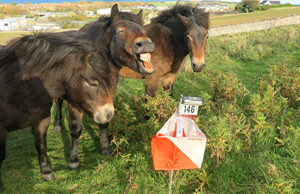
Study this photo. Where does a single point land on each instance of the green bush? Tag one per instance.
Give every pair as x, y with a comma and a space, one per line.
226, 87
263, 7
247, 5
281, 5
285, 79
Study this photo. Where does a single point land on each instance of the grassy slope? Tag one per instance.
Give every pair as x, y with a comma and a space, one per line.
262, 168
252, 17
7, 36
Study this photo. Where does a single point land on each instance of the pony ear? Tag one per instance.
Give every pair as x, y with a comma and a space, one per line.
183, 19
114, 13
140, 15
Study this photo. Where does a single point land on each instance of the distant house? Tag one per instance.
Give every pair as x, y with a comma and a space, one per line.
103, 11
11, 24
8, 24
268, 2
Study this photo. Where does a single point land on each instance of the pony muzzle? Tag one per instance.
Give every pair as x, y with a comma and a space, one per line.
142, 48
197, 64
104, 114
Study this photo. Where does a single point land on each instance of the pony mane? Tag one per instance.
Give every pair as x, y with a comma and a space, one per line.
104, 22
200, 15
42, 51
124, 16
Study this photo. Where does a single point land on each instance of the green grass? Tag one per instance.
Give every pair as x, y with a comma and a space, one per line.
251, 149
6, 36
255, 16
231, 5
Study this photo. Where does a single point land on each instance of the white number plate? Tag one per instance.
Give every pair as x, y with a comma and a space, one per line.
191, 110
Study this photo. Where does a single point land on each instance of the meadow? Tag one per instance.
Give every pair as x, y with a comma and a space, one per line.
251, 114
254, 16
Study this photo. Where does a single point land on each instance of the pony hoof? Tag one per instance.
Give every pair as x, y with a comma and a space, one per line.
57, 128
73, 165
48, 176
105, 152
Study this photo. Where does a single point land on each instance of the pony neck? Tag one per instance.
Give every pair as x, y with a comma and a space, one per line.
178, 34
99, 33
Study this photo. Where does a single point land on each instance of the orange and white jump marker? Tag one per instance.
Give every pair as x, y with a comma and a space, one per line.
179, 144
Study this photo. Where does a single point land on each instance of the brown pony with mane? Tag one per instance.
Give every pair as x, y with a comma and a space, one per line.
176, 32
126, 43
35, 69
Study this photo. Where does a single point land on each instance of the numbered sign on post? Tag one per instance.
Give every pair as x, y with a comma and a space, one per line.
190, 110
189, 105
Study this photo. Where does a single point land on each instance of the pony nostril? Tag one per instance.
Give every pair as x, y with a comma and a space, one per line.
104, 114
109, 116
198, 68
139, 44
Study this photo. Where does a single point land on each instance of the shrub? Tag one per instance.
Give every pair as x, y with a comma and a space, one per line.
161, 107
286, 80
281, 5
226, 87
263, 7
248, 5
137, 121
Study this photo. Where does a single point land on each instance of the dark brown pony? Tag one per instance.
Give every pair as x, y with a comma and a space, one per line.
176, 32
35, 69
124, 37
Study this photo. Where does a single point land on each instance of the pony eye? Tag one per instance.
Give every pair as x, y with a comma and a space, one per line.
120, 31
188, 38
93, 83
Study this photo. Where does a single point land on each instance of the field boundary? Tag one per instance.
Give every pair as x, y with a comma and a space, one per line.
254, 26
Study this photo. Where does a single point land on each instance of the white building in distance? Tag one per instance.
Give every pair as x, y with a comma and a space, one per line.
103, 11
11, 24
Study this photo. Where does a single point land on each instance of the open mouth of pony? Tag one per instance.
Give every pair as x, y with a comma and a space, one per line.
144, 60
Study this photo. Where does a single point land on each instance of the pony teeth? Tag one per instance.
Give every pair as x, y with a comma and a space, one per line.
145, 57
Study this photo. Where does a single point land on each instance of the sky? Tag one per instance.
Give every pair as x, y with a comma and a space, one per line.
59, 1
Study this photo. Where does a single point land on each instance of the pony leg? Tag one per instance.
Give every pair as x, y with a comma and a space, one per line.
40, 132
168, 83
151, 85
105, 149
75, 125
3, 138
58, 116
